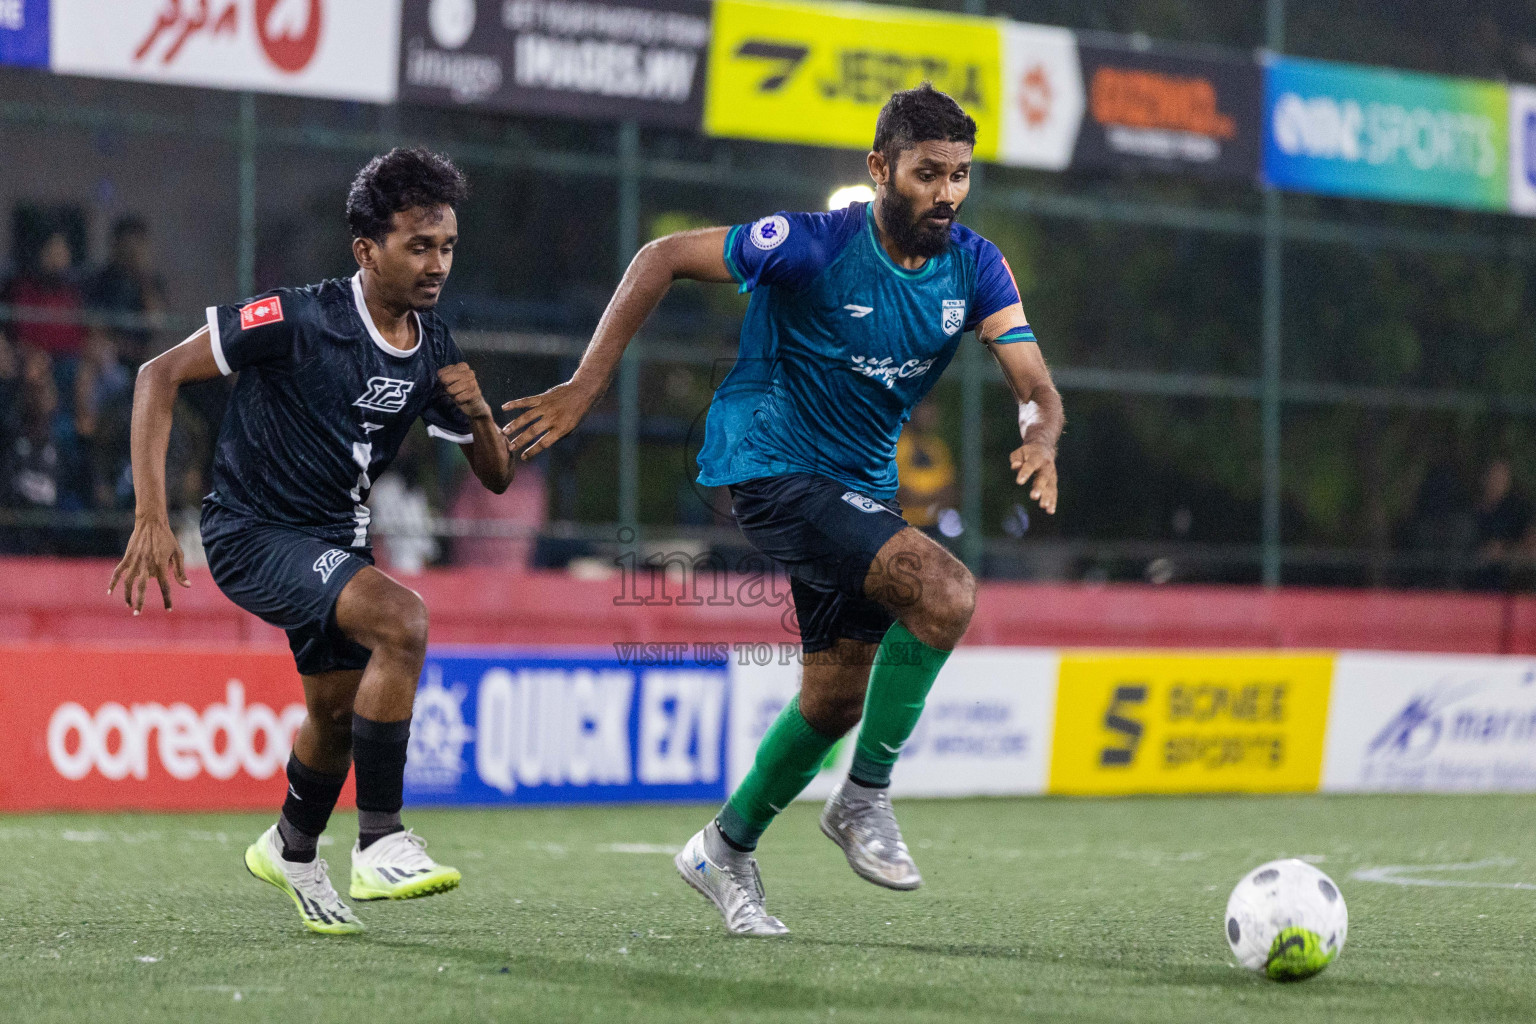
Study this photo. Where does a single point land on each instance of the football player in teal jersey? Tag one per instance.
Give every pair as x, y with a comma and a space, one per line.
853, 316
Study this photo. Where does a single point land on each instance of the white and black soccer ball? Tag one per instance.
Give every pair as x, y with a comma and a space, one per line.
1286, 919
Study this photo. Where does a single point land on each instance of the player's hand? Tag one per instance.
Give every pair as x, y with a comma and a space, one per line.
548, 418
464, 388
153, 553
1038, 461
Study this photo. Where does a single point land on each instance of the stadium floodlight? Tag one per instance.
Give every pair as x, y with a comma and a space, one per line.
842, 197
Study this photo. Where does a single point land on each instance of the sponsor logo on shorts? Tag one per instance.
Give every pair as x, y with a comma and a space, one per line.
264, 311
327, 563
953, 317
862, 503
770, 232
385, 394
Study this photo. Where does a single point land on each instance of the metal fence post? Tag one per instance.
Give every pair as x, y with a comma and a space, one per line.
1274, 38
245, 265
629, 368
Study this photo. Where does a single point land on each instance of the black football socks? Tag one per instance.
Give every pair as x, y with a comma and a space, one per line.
378, 756
307, 808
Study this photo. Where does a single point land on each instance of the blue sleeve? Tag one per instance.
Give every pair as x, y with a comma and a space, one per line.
787, 249
443, 417
260, 330
995, 287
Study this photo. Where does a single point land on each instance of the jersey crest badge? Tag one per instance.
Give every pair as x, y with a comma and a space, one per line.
954, 316
770, 232
385, 394
264, 311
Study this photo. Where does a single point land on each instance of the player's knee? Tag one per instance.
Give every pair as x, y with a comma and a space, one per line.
404, 625
950, 603
832, 715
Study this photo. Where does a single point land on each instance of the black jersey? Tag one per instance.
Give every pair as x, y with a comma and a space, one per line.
321, 406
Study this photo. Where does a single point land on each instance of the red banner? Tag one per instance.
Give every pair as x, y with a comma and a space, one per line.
95, 728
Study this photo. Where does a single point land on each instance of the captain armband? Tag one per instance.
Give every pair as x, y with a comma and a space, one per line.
1008, 337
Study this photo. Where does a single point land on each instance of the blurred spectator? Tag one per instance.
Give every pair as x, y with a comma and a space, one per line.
47, 307
926, 469
403, 525
1503, 529
1442, 524
129, 291
30, 462
511, 521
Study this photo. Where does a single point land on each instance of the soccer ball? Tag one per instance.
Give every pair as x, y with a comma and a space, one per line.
1287, 919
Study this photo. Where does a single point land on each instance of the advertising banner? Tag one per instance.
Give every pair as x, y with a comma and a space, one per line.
641, 59
184, 729
1522, 150
24, 33
1428, 723
1189, 723
339, 49
1379, 134
985, 731
819, 74
503, 726
1170, 113
1042, 104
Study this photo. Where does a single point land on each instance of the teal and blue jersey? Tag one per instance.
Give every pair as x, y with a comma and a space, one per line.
838, 345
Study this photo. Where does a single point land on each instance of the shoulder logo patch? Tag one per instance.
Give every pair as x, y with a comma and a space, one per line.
263, 311
385, 394
770, 232
954, 316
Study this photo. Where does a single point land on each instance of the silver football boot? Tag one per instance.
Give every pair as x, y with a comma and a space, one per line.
861, 821
729, 879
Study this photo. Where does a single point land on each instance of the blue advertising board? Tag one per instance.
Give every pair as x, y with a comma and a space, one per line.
1371, 132
508, 726
24, 33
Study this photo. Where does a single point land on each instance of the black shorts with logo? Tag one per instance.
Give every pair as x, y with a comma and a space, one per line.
288, 578
827, 535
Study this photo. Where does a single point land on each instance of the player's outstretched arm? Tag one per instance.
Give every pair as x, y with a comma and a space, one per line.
692, 255
489, 454
1041, 416
153, 552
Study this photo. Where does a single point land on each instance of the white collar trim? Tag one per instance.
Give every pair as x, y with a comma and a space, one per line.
373, 331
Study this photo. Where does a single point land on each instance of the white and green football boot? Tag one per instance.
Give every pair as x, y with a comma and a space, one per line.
397, 868
306, 883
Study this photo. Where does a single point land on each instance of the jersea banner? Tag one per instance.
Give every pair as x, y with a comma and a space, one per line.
339, 49
1170, 113
641, 59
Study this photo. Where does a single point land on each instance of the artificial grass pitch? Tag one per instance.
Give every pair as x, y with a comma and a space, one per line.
1032, 910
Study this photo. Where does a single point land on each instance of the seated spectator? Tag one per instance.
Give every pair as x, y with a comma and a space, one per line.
129, 292
48, 309
30, 462
1504, 534
501, 529
926, 470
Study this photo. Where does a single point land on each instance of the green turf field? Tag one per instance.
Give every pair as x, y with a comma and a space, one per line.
1033, 910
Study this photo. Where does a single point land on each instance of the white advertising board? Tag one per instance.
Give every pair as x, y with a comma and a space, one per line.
1431, 723
338, 49
1043, 97
1522, 150
985, 731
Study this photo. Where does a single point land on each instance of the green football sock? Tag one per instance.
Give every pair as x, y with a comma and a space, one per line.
899, 681
787, 760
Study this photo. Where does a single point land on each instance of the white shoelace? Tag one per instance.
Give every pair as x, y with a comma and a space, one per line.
407, 850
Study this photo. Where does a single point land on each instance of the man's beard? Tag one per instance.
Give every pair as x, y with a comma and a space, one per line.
910, 232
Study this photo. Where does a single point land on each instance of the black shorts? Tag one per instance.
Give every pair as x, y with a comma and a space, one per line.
827, 536
289, 579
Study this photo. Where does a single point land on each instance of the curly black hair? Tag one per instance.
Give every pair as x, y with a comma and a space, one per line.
402, 179
918, 115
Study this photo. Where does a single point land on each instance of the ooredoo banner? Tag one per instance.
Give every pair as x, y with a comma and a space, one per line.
641, 59
178, 729
1431, 724
1168, 112
339, 49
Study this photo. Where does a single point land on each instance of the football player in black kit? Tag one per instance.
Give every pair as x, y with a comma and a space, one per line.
332, 377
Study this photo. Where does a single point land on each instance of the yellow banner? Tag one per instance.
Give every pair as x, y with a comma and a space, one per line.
819, 74
1190, 723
